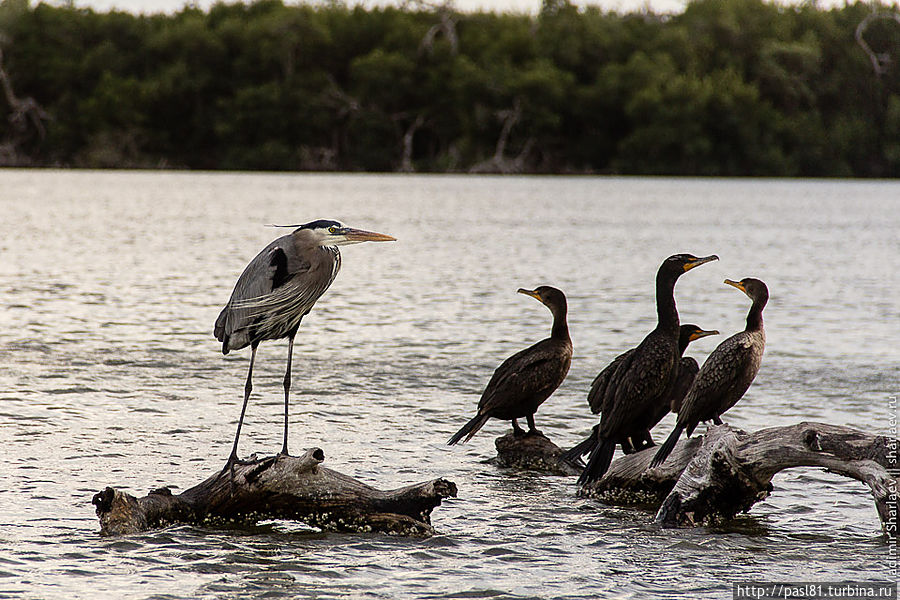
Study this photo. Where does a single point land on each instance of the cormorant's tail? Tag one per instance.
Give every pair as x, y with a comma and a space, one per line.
469, 429
599, 461
574, 454
667, 447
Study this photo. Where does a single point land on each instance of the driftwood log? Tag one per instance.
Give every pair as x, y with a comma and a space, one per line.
711, 479
283, 487
533, 451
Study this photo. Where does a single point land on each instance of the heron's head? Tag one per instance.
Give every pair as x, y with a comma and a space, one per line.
326, 232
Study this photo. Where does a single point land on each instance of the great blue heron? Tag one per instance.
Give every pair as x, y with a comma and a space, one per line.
277, 289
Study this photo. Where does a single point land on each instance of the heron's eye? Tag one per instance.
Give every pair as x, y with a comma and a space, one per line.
332, 229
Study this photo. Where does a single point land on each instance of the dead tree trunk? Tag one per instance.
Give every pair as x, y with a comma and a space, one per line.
26, 120
284, 487
711, 479
533, 451
499, 163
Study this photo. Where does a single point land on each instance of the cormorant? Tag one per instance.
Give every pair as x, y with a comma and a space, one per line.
687, 366
526, 378
628, 398
687, 369
727, 372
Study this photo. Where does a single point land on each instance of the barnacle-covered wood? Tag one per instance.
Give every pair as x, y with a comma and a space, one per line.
629, 481
283, 487
711, 479
532, 451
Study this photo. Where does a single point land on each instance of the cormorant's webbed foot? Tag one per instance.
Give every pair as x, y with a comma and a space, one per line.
517, 431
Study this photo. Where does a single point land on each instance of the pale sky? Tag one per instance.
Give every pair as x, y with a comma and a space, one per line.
531, 6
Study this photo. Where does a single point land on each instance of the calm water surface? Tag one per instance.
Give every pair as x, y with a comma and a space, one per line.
110, 283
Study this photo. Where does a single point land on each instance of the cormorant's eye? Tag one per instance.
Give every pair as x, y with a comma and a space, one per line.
332, 229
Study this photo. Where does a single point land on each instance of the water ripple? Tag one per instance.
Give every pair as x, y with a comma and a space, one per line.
112, 376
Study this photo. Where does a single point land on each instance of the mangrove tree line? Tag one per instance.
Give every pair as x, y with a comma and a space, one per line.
726, 87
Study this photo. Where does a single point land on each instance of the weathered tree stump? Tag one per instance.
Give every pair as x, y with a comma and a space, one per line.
283, 487
533, 451
711, 479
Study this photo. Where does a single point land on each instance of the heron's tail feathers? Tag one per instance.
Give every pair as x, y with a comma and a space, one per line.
667, 447
469, 429
599, 461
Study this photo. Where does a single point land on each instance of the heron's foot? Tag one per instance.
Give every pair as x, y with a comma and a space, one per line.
535, 431
519, 432
232, 461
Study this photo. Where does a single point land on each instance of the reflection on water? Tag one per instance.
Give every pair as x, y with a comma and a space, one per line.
110, 283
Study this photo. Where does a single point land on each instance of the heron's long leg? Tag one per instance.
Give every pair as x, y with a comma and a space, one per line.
248, 387
530, 419
287, 391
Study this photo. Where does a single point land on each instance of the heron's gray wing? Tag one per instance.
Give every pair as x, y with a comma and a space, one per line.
306, 277
260, 286
259, 278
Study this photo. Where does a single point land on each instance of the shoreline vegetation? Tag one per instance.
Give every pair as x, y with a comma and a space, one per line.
723, 88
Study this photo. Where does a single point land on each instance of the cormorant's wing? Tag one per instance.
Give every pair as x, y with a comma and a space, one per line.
687, 371
599, 392
524, 374
718, 378
637, 385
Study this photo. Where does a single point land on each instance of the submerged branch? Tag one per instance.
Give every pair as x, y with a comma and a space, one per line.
711, 479
279, 487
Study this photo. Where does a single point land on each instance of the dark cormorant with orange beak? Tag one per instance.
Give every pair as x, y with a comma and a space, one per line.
631, 395
525, 379
726, 374
687, 370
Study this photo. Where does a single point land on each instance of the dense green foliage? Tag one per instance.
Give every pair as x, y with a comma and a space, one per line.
728, 87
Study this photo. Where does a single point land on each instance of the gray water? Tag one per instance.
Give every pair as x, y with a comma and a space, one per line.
110, 283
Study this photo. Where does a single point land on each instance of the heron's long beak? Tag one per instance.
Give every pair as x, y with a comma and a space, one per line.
703, 333
700, 261
360, 235
736, 284
531, 293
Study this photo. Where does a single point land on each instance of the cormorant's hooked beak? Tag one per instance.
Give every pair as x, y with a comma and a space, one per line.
699, 261
699, 333
532, 293
354, 236
736, 284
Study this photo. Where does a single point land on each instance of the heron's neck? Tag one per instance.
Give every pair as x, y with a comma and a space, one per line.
666, 312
